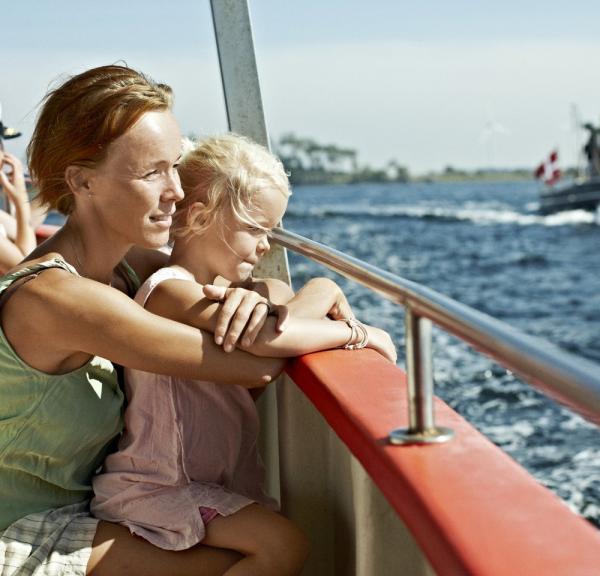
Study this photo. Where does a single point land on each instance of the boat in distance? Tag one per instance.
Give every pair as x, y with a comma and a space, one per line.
576, 196
581, 194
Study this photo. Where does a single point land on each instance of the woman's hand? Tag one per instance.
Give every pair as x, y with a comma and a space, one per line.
243, 314
381, 341
13, 182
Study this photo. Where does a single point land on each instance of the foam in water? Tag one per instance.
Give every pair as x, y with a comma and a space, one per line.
482, 214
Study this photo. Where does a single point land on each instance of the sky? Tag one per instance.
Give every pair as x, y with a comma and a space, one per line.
430, 84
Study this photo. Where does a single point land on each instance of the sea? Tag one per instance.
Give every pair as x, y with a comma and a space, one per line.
483, 244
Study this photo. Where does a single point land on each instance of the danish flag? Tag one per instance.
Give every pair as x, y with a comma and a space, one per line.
549, 171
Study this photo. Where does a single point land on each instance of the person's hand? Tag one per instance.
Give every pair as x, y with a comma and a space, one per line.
13, 182
243, 314
381, 341
320, 298
340, 308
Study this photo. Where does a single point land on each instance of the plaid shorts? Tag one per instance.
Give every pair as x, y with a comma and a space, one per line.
52, 543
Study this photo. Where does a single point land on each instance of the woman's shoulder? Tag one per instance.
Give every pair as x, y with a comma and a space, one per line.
35, 265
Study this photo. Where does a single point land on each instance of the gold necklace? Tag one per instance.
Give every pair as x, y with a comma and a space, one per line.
80, 269
77, 260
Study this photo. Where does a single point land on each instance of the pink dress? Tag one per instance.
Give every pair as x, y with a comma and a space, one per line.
187, 444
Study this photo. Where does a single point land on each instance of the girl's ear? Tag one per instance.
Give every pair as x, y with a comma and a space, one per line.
196, 214
78, 180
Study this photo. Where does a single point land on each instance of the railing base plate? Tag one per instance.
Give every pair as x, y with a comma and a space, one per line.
432, 436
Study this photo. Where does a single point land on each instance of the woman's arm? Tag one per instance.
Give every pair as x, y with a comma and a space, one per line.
184, 301
13, 185
55, 321
10, 255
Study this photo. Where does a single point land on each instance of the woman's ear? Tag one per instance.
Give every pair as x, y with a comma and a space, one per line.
78, 180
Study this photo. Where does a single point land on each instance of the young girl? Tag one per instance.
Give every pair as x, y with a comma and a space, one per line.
187, 468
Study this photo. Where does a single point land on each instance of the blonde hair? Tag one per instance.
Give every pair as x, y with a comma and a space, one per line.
79, 120
224, 173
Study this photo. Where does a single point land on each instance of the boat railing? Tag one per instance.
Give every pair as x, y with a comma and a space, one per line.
566, 378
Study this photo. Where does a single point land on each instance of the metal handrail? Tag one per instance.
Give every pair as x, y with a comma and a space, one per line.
569, 379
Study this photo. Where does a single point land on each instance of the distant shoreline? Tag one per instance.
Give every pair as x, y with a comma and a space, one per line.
311, 163
337, 179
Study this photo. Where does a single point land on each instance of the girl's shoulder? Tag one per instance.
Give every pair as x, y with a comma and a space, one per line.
146, 261
160, 278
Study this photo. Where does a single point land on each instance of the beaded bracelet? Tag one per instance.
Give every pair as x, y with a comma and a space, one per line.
356, 327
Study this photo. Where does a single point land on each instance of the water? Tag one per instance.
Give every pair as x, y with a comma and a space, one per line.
484, 245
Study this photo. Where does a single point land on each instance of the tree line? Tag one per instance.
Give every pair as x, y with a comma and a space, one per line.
310, 162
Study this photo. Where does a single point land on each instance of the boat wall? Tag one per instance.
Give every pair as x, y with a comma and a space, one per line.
469, 507
325, 490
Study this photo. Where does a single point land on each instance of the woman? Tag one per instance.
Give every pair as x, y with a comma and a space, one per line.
104, 152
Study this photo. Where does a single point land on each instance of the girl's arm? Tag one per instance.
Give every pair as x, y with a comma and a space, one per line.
239, 313
55, 321
318, 298
184, 302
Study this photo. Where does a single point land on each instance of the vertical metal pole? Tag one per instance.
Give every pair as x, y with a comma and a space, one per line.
243, 101
239, 74
421, 423
420, 376
245, 116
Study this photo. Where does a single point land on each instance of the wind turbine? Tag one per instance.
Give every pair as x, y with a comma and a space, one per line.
491, 129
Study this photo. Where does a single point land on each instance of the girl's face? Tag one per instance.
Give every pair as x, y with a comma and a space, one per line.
133, 192
232, 248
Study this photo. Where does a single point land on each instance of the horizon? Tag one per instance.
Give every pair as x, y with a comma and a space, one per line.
477, 85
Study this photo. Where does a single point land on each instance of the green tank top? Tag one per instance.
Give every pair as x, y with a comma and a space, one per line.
55, 430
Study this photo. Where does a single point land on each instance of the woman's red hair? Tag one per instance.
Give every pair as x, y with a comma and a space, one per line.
79, 120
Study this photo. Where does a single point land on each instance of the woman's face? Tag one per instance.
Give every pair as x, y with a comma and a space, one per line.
132, 193
232, 248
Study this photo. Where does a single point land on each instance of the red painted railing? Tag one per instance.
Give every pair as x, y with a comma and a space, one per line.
471, 508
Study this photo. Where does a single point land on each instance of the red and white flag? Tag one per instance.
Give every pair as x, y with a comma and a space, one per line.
548, 171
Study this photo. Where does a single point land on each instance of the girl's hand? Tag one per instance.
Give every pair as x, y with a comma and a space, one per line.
380, 340
13, 182
340, 308
244, 313
320, 298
